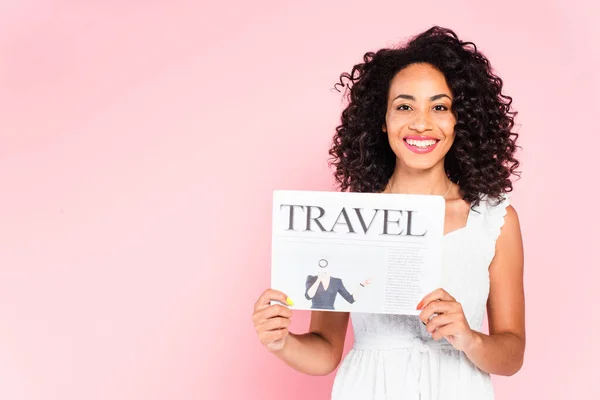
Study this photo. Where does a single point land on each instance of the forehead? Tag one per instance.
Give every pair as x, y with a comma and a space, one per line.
419, 80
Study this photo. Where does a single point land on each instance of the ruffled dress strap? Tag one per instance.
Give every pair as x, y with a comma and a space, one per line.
494, 212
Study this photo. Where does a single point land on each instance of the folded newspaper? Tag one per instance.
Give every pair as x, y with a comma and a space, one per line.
358, 252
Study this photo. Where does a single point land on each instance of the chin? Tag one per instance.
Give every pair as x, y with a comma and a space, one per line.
420, 165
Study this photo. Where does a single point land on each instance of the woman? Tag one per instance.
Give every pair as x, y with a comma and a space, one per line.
322, 289
427, 118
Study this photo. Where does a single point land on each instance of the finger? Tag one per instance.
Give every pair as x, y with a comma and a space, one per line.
273, 336
436, 307
447, 330
439, 321
438, 294
274, 324
269, 295
273, 311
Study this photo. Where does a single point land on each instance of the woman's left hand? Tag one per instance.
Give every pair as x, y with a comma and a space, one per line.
445, 318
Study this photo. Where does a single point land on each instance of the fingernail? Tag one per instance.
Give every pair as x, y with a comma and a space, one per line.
420, 305
289, 301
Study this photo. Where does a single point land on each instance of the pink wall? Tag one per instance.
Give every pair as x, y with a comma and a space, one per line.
124, 126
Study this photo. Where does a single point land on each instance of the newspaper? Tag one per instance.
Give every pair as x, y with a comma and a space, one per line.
357, 252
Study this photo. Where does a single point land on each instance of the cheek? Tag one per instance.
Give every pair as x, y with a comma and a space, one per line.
395, 122
447, 126
450, 135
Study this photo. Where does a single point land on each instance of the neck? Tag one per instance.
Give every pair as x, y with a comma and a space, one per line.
410, 181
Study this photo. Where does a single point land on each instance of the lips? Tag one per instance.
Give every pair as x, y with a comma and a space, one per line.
420, 144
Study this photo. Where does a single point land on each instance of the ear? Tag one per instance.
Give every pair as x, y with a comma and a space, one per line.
384, 128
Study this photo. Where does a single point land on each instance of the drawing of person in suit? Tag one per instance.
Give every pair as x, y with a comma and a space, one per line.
323, 288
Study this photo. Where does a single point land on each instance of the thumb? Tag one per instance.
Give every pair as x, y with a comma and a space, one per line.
281, 297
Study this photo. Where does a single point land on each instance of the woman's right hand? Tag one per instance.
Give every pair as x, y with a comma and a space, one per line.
271, 322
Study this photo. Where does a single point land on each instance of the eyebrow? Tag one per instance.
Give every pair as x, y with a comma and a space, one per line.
432, 98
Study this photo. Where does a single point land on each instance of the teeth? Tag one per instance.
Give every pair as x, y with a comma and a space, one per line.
421, 143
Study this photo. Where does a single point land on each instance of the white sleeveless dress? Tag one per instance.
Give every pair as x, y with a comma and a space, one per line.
395, 358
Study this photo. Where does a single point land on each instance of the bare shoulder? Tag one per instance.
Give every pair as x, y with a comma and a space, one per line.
509, 245
511, 213
512, 225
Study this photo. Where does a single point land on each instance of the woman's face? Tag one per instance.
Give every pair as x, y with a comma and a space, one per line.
419, 120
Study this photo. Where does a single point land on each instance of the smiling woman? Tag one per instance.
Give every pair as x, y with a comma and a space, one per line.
429, 118
436, 88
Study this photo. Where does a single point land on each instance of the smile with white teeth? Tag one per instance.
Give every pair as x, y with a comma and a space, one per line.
422, 144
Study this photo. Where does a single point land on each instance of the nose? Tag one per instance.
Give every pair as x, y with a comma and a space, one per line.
421, 122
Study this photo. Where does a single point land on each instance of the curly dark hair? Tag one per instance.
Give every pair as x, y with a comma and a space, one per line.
481, 159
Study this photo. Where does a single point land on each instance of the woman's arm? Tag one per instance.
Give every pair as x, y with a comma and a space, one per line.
502, 351
312, 284
319, 351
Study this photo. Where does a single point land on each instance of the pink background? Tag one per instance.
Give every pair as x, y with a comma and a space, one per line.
125, 126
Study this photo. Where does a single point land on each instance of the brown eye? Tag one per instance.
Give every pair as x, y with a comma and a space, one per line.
403, 107
440, 108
